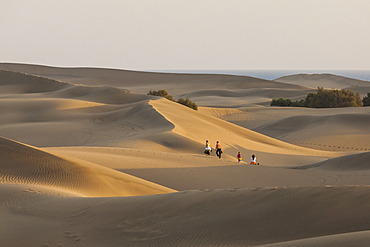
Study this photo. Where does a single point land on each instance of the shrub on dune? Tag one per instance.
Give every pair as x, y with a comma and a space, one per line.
163, 93
366, 100
281, 102
324, 98
187, 102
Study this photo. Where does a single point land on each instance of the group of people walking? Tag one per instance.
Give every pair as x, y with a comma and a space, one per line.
218, 148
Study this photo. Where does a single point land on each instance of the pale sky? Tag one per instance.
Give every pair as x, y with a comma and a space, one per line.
187, 34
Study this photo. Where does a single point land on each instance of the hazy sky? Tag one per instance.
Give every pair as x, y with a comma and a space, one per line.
187, 34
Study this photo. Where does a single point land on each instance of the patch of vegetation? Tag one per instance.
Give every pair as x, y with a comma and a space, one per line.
366, 100
324, 98
333, 98
187, 102
163, 93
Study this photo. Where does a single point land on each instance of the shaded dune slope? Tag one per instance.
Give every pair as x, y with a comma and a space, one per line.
233, 217
358, 239
17, 82
63, 122
243, 97
45, 112
351, 162
232, 90
342, 132
176, 84
323, 80
27, 84
28, 165
119, 78
254, 92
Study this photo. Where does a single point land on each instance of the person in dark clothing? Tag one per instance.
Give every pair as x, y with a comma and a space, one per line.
218, 149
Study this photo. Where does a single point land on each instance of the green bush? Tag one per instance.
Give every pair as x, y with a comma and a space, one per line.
281, 102
366, 100
301, 103
187, 102
161, 93
325, 98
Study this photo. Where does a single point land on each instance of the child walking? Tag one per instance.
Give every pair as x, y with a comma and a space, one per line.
239, 156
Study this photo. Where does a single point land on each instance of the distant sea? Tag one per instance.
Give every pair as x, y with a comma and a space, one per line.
274, 74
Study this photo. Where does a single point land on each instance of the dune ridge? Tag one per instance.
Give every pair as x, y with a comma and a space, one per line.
28, 165
200, 127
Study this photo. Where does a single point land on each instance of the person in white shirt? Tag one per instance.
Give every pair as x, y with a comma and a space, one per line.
253, 160
208, 148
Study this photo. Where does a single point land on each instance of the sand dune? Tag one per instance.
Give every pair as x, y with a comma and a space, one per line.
200, 127
22, 164
323, 80
353, 162
127, 79
16, 82
188, 171
67, 114
340, 129
50, 122
121, 122
363, 91
234, 217
242, 98
178, 85
253, 117
340, 132
106, 160
361, 238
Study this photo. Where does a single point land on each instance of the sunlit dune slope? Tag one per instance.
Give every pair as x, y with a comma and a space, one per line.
20, 163
200, 127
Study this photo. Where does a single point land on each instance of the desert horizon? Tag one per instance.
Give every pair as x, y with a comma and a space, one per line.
88, 158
